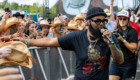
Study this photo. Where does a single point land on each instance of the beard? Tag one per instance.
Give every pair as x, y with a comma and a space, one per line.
95, 32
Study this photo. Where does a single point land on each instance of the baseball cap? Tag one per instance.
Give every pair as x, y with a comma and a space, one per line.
123, 13
40, 18
64, 17
84, 11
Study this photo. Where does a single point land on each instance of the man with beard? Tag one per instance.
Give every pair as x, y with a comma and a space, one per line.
92, 49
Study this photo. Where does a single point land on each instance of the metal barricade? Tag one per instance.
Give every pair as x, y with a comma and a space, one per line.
52, 64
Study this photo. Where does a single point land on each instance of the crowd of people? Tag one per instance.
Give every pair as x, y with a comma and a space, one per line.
82, 34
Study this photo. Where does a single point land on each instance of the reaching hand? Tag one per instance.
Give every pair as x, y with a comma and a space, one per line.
6, 51
6, 15
106, 32
120, 38
15, 35
19, 39
10, 74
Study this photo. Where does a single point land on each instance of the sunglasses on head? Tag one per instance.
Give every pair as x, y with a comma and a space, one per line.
124, 19
98, 21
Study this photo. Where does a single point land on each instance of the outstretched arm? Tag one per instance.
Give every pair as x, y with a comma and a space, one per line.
44, 42
111, 10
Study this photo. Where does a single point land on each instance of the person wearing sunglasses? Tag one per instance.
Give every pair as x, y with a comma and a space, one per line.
91, 47
128, 44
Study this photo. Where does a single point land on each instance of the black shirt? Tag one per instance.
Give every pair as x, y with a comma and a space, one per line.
77, 41
130, 35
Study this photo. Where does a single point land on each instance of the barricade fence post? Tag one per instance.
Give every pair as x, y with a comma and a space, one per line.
64, 64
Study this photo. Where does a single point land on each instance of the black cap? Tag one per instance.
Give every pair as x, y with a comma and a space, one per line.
95, 11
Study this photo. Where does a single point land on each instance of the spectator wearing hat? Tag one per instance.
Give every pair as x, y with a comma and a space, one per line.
137, 28
92, 49
45, 27
65, 19
84, 12
18, 15
79, 19
111, 18
10, 29
128, 43
56, 29
72, 26
21, 28
39, 19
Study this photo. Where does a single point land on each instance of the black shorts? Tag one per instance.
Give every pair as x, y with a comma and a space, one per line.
125, 72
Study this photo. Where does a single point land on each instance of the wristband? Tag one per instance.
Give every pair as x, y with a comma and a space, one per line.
111, 4
112, 46
124, 41
10, 37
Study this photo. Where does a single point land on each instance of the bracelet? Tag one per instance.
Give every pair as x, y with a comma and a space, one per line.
9, 37
112, 46
27, 42
124, 41
111, 4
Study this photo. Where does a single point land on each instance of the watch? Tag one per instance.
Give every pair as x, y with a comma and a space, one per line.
138, 49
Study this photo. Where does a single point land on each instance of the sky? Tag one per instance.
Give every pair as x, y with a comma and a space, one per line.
52, 2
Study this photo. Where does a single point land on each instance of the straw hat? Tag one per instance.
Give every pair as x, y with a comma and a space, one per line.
57, 22
79, 16
11, 21
44, 22
72, 25
107, 11
19, 56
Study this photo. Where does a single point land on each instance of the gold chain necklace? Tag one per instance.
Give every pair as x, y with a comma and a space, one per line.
90, 39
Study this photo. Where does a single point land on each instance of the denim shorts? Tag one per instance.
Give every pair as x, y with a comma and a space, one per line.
125, 72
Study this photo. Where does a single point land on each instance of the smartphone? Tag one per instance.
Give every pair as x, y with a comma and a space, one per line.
26, 32
61, 27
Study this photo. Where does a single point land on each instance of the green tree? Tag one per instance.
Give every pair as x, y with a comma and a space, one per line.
14, 6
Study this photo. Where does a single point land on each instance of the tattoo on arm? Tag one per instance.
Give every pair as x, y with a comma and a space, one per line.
117, 55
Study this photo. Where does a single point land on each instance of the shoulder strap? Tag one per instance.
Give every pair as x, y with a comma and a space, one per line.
126, 34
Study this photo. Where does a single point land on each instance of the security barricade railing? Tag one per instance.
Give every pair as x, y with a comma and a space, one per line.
52, 64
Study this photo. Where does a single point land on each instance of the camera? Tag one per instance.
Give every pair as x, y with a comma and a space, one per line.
7, 10
116, 32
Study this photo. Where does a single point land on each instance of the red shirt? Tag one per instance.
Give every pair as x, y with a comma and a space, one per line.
136, 27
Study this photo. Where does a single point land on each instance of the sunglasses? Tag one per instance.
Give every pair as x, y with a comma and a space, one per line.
98, 21
124, 19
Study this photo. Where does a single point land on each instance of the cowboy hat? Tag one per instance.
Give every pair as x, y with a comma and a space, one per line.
107, 11
44, 22
74, 7
11, 21
18, 14
72, 25
78, 16
20, 55
57, 22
